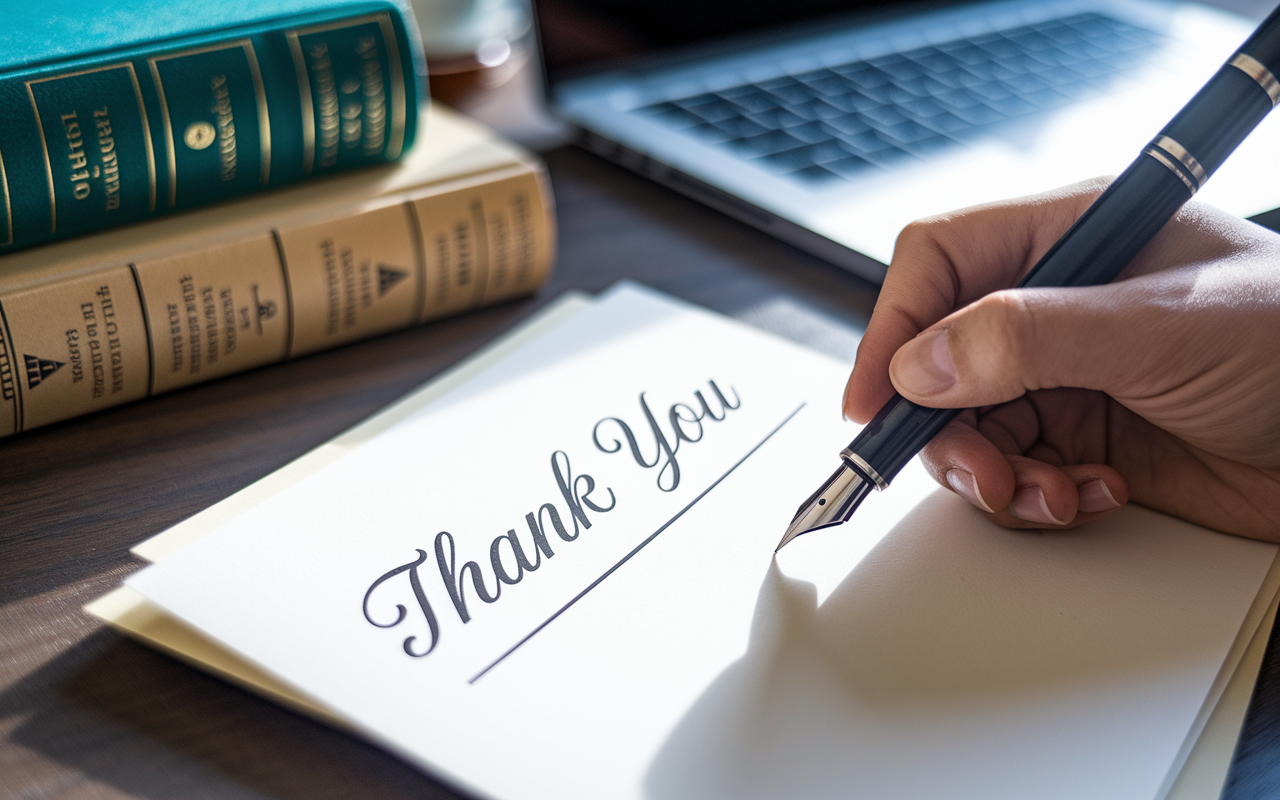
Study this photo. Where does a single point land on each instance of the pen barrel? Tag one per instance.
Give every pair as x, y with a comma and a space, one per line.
1264, 43
894, 436
1214, 123
1110, 233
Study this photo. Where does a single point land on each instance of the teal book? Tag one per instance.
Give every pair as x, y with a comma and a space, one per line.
117, 111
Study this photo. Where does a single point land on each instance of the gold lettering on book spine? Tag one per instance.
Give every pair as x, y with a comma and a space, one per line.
44, 145
399, 107
214, 309
484, 243
352, 277
260, 94
78, 345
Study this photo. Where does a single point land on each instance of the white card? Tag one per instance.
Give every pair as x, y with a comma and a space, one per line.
663, 652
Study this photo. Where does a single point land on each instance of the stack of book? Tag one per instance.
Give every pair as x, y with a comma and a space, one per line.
199, 189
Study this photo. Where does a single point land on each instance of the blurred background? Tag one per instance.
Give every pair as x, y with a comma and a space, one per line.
483, 60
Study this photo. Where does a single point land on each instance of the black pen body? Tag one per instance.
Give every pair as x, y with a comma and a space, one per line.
1116, 226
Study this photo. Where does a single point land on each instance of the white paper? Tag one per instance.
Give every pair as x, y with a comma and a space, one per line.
919, 652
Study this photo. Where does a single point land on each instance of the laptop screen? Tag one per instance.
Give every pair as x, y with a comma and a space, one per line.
584, 36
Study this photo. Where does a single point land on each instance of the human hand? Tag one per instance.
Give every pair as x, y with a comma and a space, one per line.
1162, 387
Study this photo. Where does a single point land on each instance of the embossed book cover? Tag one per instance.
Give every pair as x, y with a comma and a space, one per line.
120, 111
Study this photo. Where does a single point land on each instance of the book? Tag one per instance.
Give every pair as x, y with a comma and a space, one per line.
463, 221
123, 111
1202, 775
614, 622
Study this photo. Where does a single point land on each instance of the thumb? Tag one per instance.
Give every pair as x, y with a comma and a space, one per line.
1019, 340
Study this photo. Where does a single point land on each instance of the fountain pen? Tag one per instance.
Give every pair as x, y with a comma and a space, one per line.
1107, 236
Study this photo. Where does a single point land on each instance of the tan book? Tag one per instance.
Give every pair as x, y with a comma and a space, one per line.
464, 221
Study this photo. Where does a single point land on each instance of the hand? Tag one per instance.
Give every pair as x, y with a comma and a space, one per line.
1162, 387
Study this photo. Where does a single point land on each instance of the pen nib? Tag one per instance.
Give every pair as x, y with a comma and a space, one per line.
833, 503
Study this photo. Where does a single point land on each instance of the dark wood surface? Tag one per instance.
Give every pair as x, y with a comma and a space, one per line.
86, 712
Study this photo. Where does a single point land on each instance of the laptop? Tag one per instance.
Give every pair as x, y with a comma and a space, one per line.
832, 125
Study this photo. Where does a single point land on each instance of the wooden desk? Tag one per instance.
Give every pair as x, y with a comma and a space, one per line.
85, 712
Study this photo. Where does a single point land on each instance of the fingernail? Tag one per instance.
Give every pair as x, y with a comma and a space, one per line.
967, 487
1029, 504
926, 367
844, 399
1095, 497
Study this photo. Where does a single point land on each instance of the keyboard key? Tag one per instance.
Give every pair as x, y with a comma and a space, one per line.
788, 160
1001, 47
931, 60
827, 151
848, 125
817, 110
775, 118
1012, 106
855, 101
1030, 40
740, 127
991, 91
984, 72
862, 74
923, 108
870, 143
788, 90
1048, 61
671, 115
872, 94
884, 116
908, 91
754, 100
714, 111
908, 132
810, 133
709, 133
1026, 84
851, 166
766, 143
979, 115
949, 123
965, 52
897, 67
961, 98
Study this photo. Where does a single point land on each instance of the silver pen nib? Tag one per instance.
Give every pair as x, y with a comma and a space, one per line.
833, 503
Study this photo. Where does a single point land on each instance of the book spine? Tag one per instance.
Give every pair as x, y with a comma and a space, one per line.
128, 135
129, 330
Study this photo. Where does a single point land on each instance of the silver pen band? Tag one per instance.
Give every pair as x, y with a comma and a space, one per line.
1254, 69
1179, 161
860, 464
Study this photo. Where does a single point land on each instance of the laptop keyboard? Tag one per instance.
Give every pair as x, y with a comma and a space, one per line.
839, 121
